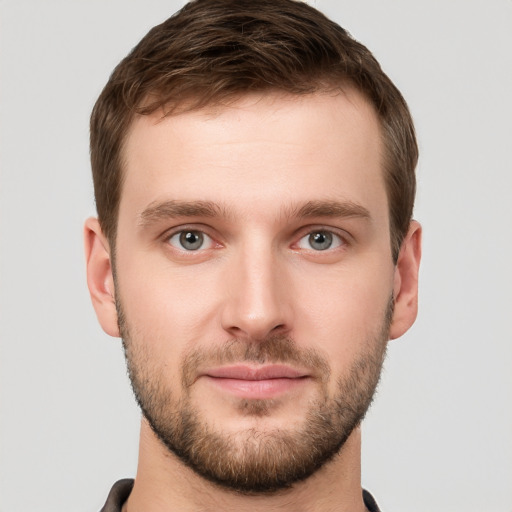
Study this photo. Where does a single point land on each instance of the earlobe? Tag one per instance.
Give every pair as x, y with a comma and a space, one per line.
405, 287
99, 276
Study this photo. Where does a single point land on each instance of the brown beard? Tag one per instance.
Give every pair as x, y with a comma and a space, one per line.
253, 461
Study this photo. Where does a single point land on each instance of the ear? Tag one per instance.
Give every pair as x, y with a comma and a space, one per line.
100, 279
405, 288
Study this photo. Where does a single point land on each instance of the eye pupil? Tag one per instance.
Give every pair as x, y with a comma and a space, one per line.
321, 240
191, 240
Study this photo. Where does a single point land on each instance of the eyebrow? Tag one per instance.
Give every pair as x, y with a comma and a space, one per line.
172, 209
329, 209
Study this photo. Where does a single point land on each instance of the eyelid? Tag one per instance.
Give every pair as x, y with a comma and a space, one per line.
177, 230
341, 235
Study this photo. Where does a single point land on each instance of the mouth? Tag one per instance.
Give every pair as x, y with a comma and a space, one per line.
256, 383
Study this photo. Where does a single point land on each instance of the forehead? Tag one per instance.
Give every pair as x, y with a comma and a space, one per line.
274, 146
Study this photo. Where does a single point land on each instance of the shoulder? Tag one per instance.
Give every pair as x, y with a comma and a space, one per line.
370, 502
118, 495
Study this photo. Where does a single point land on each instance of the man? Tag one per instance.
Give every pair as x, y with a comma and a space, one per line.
254, 248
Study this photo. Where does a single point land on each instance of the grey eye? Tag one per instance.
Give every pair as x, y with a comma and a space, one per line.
190, 240
320, 241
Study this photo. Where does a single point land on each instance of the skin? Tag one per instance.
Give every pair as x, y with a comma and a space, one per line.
260, 160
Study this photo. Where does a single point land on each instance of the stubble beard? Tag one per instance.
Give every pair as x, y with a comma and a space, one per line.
253, 461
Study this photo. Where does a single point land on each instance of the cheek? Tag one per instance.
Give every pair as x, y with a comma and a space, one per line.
170, 308
344, 314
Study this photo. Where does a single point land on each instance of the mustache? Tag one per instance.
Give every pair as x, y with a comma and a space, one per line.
273, 349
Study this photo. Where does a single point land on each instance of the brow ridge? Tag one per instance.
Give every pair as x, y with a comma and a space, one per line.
316, 208
168, 209
329, 208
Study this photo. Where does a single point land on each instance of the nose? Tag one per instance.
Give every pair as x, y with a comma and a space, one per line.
258, 295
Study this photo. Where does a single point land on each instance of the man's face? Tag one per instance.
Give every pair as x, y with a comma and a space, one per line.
254, 281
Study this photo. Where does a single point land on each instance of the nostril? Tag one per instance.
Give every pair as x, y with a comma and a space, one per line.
278, 329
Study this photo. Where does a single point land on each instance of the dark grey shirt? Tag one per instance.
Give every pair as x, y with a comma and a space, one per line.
122, 489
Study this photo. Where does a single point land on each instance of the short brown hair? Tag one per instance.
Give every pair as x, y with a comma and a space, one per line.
216, 50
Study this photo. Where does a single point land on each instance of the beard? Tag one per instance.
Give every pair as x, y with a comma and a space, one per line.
255, 461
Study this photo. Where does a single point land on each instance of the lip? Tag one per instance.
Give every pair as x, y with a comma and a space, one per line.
246, 372
256, 382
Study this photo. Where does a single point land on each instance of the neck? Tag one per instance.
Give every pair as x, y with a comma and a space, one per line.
164, 483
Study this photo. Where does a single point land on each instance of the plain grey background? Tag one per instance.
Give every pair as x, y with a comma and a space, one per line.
439, 436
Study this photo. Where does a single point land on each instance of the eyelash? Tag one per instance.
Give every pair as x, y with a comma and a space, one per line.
323, 237
180, 234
